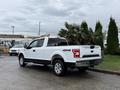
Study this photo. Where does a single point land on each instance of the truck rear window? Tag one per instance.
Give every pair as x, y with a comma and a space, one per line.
57, 42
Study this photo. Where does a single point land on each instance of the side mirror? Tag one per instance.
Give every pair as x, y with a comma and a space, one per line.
25, 46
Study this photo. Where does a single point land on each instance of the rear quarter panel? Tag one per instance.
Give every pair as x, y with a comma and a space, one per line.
68, 54
49, 52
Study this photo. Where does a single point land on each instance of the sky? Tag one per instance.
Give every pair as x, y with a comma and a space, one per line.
52, 14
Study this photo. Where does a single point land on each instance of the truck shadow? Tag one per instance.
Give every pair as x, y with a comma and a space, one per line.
70, 73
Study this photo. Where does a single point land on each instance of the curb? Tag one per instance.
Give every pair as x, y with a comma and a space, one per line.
104, 71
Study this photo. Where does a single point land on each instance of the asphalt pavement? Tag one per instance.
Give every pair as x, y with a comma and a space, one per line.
37, 77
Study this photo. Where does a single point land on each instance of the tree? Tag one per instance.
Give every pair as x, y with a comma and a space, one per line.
112, 38
98, 35
85, 33
92, 38
69, 33
63, 33
77, 34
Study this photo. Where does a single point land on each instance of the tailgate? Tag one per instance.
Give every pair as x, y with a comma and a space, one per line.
90, 52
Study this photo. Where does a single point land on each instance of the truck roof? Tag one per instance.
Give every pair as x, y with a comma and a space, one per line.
50, 37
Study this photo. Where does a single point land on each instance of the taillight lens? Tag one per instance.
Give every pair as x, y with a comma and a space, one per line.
76, 53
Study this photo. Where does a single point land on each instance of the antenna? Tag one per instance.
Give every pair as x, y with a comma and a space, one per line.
39, 28
13, 27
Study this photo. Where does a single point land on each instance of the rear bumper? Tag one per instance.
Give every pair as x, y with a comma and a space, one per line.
88, 63
84, 63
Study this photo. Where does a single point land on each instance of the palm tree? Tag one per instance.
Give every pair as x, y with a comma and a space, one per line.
77, 34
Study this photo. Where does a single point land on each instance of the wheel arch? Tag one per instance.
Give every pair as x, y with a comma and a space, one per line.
20, 55
56, 57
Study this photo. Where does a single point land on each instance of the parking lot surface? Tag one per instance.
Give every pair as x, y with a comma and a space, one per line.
36, 77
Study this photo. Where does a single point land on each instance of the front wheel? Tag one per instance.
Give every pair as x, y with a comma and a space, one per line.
59, 68
22, 61
10, 54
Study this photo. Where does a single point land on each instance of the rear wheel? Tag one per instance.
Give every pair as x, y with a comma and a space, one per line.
59, 68
22, 61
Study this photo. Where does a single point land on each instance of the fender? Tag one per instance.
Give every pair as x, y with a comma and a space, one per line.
56, 57
20, 55
21, 52
58, 54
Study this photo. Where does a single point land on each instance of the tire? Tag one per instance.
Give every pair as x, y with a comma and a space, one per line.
22, 62
59, 68
10, 54
82, 69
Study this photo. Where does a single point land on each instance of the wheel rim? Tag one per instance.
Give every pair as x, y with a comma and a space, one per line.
21, 61
58, 68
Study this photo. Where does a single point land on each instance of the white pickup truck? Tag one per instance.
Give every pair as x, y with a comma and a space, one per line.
55, 51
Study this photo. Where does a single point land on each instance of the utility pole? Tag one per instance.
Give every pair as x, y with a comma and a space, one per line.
39, 28
13, 27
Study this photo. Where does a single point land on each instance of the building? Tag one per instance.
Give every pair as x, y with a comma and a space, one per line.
9, 40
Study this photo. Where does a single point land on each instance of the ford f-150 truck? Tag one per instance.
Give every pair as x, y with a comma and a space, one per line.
57, 52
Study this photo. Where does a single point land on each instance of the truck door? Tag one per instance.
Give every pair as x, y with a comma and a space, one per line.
30, 50
38, 54
35, 50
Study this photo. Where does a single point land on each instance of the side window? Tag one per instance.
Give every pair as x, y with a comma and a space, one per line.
52, 42
37, 43
33, 44
40, 42
57, 42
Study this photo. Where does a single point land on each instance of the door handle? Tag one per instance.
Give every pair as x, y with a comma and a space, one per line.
33, 50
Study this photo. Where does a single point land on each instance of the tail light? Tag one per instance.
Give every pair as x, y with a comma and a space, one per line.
76, 53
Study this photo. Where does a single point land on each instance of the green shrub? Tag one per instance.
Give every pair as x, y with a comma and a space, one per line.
117, 51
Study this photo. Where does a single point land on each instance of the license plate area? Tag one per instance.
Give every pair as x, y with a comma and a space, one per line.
83, 63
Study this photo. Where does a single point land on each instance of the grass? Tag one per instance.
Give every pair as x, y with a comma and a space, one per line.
110, 62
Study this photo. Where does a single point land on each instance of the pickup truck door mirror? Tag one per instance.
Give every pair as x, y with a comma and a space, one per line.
28, 47
25, 46
31, 45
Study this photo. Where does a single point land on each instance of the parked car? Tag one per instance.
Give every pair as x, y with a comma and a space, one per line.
55, 51
15, 49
